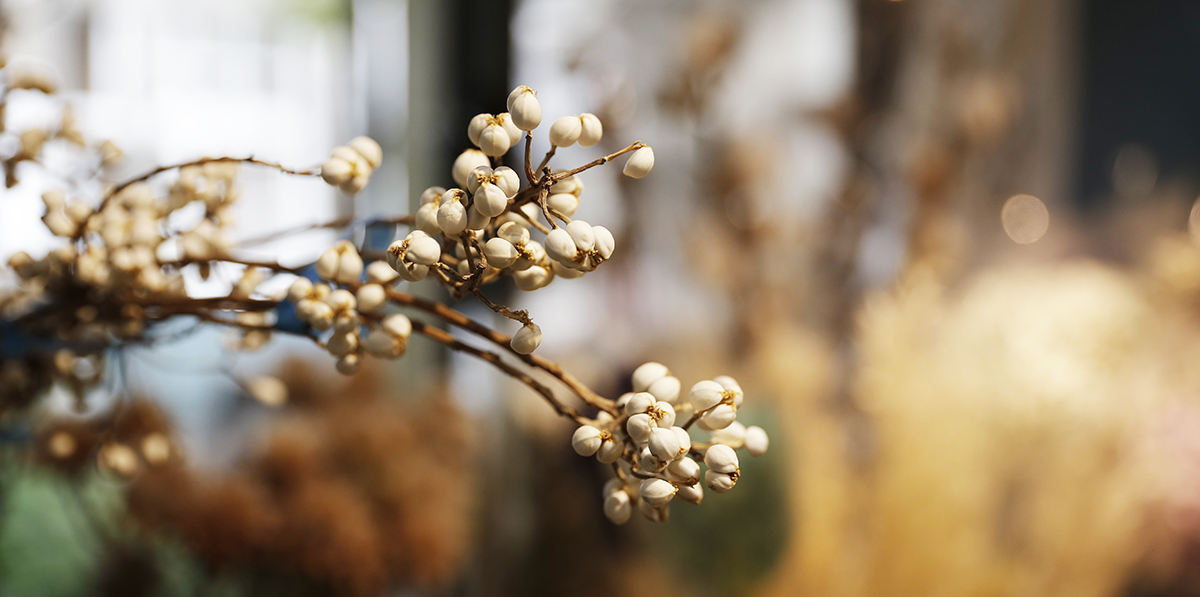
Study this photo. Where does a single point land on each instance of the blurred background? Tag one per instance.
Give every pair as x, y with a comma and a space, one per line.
948, 247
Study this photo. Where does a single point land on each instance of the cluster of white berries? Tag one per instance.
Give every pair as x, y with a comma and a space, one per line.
654, 458
350, 166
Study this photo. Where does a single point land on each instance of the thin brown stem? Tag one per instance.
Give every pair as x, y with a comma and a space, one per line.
557, 176
521, 316
443, 337
528, 159
546, 160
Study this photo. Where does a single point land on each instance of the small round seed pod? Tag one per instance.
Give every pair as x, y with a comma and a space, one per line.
299, 289
663, 414
591, 130
586, 440
657, 492
705, 395
757, 441
610, 451
432, 195
664, 444
524, 107
476, 125
617, 507
533, 278
564, 203
507, 179
690, 493
719, 482
640, 402
369, 149
452, 218
467, 161
639, 427
733, 436
397, 325
348, 364
422, 249
684, 471
494, 141
510, 127
685, 440
499, 253
490, 200
719, 417
639, 163
379, 343
340, 345
565, 131
666, 389
336, 171
514, 233
721, 458
647, 461
527, 339
648, 373
370, 297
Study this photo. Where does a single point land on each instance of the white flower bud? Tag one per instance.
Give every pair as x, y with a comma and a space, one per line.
685, 440
719, 417
299, 289
452, 218
617, 507
340, 345
664, 444
506, 178
327, 264
381, 344
268, 390
527, 339
733, 436
350, 265
412, 272
348, 364
648, 373
466, 162
379, 272
524, 107
733, 391
477, 177
690, 493
423, 249
640, 402
490, 200
658, 515
586, 440
397, 325
683, 470
476, 126
475, 221
721, 458
591, 130
510, 127
357, 183
612, 486
369, 149
639, 163
561, 247
493, 141
705, 395
341, 300
565, 131
610, 451
371, 297
605, 243
622, 400
666, 389
533, 278
432, 195
499, 253
514, 233
663, 414
566, 272
426, 219
581, 233
657, 492
719, 482
757, 441
571, 184
648, 462
336, 171
564, 203
639, 427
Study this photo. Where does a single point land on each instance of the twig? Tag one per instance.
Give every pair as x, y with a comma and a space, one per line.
557, 176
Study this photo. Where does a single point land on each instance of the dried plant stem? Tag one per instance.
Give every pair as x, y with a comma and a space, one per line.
557, 176
443, 337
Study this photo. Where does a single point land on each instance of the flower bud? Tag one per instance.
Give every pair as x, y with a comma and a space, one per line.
719, 482
639, 163
336, 171
348, 364
719, 417
379, 272
639, 427
705, 395
533, 278
617, 507
514, 133
299, 289
591, 130
426, 219
477, 177
493, 141
664, 444
432, 195
648, 462
658, 515
690, 493
612, 486
524, 107
565, 131
566, 272
561, 247
581, 233
350, 265
685, 440
666, 389
721, 458
648, 373
610, 451
381, 344
605, 243
514, 233
341, 300
452, 218
397, 325
527, 339
412, 272
423, 249
340, 345
476, 126
571, 184
757, 441
490, 200
586, 440
640, 402
657, 492
369, 149
370, 297
467, 161
506, 178
733, 436
663, 414
564, 203
684, 471
499, 253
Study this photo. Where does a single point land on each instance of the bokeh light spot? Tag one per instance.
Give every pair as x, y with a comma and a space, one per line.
1025, 218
